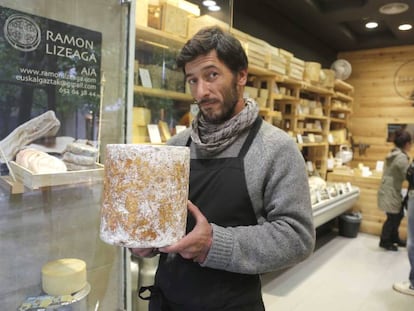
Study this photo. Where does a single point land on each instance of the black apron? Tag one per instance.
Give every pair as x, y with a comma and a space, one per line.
218, 188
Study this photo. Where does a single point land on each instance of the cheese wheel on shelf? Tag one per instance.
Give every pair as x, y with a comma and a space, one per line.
63, 276
82, 149
145, 195
39, 162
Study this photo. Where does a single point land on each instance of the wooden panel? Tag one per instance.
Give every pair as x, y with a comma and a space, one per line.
376, 102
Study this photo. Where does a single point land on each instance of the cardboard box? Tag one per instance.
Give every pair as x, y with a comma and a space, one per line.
174, 20
141, 116
141, 13
312, 71
195, 23
140, 134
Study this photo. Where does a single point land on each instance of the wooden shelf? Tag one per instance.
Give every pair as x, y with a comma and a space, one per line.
311, 116
159, 38
308, 130
341, 109
259, 71
340, 85
337, 120
163, 93
291, 81
281, 97
262, 77
343, 97
307, 87
10, 185
323, 144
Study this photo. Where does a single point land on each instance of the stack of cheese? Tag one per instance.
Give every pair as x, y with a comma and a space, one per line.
64, 276
312, 71
257, 52
296, 68
39, 162
79, 156
277, 62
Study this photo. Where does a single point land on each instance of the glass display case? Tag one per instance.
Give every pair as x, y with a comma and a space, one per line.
63, 82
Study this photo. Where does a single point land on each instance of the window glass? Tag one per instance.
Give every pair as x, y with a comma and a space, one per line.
67, 58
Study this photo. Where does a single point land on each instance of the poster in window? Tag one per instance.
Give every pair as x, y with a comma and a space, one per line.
49, 65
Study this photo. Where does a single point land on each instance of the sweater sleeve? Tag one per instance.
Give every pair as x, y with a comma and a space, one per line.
279, 190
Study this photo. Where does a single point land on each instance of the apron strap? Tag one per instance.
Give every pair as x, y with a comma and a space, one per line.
252, 134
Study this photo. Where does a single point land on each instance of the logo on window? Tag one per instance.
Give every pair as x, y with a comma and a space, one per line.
22, 32
404, 80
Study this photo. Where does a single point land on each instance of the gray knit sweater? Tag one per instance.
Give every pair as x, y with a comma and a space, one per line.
278, 187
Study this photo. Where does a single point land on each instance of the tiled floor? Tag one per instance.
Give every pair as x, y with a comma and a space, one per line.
344, 274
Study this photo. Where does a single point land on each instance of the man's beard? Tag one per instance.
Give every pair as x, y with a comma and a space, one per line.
230, 100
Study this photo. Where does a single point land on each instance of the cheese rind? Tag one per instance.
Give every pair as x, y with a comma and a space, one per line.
145, 195
63, 276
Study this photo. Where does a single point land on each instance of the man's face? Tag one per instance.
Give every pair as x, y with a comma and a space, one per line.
217, 91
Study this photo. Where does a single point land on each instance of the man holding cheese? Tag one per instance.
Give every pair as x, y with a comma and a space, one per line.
249, 203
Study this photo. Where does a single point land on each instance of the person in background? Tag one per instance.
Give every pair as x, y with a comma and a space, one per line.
407, 287
389, 193
249, 203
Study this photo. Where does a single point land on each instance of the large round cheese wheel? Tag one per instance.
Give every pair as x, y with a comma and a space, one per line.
63, 276
145, 195
39, 162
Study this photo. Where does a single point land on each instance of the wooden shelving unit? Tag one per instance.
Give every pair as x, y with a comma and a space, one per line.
161, 93
340, 110
309, 112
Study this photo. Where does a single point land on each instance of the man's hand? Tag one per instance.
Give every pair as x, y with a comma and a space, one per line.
196, 244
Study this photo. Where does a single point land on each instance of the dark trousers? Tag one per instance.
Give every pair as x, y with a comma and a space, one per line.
389, 234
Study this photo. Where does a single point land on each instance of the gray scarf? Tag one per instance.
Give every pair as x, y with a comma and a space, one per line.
213, 138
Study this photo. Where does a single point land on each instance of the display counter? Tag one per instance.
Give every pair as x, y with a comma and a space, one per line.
327, 210
372, 217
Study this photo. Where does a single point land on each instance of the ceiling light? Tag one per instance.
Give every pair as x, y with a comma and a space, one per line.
214, 8
405, 27
209, 2
371, 25
393, 8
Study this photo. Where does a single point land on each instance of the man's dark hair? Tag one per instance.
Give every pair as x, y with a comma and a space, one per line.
228, 48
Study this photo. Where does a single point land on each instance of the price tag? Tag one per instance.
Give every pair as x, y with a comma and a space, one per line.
145, 77
338, 189
328, 193
318, 196
154, 133
300, 139
330, 139
343, 188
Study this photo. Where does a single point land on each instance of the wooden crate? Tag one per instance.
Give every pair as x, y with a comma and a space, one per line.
141, 13
36, 181
174, 20
165, 16
312, 71
140, 134
141, 116
196, 23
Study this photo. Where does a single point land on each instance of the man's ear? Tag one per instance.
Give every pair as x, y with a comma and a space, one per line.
242, 77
